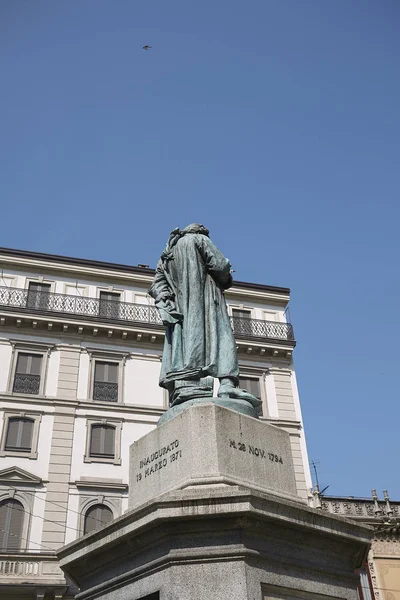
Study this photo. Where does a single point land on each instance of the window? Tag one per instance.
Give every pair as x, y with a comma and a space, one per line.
11, 524
102, 441
27, 373
105, 386
251, 385
96, 517
19, 434
241, 313
109, 306
38, 295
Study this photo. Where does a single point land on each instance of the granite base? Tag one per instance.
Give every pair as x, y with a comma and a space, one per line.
230, 543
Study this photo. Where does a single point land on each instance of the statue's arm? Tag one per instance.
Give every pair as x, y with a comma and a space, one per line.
160, 289
217, 265
164, 297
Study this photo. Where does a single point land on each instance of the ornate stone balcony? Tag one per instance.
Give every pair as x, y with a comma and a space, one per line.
364, 509
125, 314
38, 569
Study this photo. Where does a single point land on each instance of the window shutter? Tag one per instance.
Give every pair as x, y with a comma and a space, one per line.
106, 372
102, 441
241, 313
11, 523
250, 385
29, 364
12, 433
35, 364
96, 517
110, 296
111, 372
22, 363
26, 429
109, 441
95, 438
39, 287
19, 434
255, 388
99, 372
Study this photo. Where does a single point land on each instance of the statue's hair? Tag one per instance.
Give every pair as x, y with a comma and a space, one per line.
196, 228
176, 234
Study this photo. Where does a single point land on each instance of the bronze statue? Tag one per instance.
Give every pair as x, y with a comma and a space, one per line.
188, 290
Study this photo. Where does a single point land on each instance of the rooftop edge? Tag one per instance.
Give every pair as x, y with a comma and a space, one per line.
85, 262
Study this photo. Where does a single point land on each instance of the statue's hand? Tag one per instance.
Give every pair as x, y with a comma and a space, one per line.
168, 312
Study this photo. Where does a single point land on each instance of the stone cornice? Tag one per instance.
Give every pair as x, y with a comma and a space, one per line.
83, 483
130, 409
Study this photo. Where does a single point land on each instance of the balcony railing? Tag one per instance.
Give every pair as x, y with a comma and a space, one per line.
26, 384
50, 303
245, 327
105, 392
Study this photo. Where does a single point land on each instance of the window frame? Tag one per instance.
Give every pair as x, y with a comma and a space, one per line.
117, 441
36, 418
99, 356
43, 350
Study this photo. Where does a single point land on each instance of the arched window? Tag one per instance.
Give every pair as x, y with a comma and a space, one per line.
19, 434
102, 441
11, 524
96, 517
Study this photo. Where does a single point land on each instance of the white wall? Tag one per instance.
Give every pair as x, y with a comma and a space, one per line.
36, 529
141, 382
53, 367
71, 532
5, 365
272, 403
83, 376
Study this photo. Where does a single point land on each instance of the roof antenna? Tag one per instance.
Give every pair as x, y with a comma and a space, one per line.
78, 293
314, 464
2, 278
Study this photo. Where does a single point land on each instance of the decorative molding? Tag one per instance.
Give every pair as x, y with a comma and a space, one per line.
17, 476
110, 485
384, 548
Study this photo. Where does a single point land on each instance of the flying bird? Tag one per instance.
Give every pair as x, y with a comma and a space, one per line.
147, 47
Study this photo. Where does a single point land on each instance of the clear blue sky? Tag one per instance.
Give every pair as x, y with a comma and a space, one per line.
276, 124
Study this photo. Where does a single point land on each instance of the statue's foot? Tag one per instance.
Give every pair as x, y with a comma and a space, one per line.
189, 389
190, 393
238, 394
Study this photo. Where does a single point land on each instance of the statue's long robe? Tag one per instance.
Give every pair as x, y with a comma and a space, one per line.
202, 342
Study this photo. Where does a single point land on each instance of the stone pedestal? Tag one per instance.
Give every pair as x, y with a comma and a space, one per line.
210, 445
194, 533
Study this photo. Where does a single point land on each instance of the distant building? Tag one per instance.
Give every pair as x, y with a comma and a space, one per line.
380, 577
80, 351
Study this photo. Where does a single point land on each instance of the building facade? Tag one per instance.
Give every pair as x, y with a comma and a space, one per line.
380, 576
80, 353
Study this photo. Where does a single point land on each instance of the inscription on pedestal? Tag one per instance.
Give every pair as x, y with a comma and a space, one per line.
160, 459
264, 454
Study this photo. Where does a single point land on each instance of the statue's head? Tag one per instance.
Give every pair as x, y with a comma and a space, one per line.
196, 228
